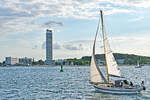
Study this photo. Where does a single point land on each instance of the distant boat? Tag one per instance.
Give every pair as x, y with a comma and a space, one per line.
118, 86
138, 65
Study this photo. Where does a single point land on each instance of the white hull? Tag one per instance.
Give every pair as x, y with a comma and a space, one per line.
119, 90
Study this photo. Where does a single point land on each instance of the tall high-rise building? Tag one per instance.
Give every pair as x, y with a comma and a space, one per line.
49, 47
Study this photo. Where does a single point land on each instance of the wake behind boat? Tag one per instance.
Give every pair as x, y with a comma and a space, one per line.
97, 79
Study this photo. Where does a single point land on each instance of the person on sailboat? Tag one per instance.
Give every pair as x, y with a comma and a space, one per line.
136, 82
125, 84
142, 84
131, 84
121, 83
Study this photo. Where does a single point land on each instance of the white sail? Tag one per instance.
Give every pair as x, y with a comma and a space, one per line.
95, 74
113, 68
111, 63
138, 64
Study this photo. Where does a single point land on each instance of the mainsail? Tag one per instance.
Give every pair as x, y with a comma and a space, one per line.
111, 64
95, 74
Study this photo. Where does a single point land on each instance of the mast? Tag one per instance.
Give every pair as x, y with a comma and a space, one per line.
102, 22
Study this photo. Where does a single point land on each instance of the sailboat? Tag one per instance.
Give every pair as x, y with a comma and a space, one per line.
138, 65
104, 85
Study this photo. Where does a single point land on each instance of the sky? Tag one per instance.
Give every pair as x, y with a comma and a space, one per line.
23, 25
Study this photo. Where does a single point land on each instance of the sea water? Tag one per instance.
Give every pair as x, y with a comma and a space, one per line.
48, 83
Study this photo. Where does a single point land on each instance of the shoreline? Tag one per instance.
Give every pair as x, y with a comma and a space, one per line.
66, 66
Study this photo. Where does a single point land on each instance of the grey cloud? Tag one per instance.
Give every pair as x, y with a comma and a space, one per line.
8, 15
60, 9
48, 24
73, 47
70, 47
25, 0
29, 10
85, 42
58, 46
55, 46
12, 13
81, 41
29, 7
52, 24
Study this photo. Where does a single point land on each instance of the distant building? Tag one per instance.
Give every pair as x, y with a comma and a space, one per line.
49, 47
25, 61
60, 61
11, 61
63, 62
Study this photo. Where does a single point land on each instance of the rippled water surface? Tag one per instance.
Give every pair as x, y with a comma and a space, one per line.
48, 83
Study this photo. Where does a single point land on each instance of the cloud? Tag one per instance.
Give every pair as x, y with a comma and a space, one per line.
52, 24
137, 19
65, 45
8, 12
18, 15
135, 44
119, 44
73, 47
115, 10
56, 46
70, 47
67, 8
133, 3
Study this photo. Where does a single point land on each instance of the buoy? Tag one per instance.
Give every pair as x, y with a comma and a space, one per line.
61, 70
